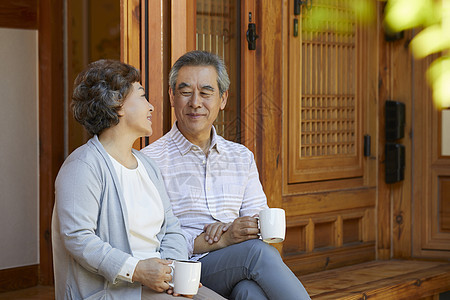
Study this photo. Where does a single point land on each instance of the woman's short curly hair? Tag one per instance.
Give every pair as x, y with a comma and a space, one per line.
99, 92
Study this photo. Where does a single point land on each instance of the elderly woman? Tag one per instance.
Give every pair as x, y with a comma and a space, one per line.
114, 232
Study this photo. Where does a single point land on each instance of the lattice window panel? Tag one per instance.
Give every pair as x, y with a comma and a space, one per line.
327, 89
328, 108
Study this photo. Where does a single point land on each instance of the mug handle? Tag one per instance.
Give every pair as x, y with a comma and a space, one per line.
172, 266
259, 225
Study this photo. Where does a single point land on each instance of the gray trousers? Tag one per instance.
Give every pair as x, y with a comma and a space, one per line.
250, 270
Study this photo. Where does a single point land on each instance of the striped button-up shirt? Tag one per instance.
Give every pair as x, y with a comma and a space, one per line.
204, 189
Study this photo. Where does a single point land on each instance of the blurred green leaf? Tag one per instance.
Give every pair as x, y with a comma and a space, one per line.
431, 40
438, 75
407, 14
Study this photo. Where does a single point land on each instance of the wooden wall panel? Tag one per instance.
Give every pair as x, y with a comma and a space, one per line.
21, 14
328, 202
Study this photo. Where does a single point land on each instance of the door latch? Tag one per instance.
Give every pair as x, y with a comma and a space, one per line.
299, 3
251, 33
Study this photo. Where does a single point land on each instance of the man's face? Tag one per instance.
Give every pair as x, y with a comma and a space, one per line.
196, 101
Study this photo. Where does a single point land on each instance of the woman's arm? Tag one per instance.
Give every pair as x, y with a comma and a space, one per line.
79, 195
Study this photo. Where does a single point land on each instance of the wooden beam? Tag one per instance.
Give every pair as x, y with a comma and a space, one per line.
384, 211
51, 120
21, 14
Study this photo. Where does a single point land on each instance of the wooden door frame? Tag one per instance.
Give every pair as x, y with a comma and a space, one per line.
47, 17
51, 123
22, 15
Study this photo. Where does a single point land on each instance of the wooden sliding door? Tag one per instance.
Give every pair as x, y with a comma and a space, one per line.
329, 185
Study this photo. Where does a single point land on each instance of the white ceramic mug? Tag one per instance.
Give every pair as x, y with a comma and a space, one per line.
272, 225
185, 276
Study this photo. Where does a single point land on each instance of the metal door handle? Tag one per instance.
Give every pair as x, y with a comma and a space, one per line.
251, 33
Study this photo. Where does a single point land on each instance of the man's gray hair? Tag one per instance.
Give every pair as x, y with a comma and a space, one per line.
201, 58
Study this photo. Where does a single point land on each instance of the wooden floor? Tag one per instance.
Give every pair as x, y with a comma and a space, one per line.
380, 280
34, 293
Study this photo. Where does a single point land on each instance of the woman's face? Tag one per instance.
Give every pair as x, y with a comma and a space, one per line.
136, 112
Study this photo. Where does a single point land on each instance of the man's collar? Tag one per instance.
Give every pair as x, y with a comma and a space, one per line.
184, 145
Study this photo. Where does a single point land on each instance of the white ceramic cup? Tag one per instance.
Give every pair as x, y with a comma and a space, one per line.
185, 276
272, 225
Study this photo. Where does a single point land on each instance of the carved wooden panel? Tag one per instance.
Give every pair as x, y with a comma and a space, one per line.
351, 231
444, 203
325, 231
326, 89
436, 223
328, 240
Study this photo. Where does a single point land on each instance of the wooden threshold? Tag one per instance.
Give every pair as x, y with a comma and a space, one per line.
18, 278
390, 279
34, 293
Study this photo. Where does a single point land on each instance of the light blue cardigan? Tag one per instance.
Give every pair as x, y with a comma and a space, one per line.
90, 226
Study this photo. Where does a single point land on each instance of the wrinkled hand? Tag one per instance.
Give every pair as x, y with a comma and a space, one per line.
214, 231
153, 273
242, 229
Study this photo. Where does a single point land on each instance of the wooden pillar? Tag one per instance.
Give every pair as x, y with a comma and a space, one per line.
394, 200
51, 120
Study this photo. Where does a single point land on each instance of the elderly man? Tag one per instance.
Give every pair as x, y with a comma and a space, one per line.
214, 188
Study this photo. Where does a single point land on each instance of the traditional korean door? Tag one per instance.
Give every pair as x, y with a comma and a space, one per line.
156, 33
329, 185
